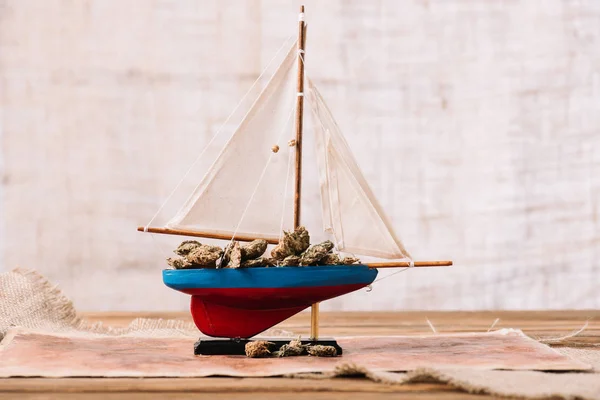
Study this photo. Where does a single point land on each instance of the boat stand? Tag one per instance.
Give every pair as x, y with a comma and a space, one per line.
237, 347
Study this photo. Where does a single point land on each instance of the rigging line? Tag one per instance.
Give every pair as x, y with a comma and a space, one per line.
411, 265
217, 133
285, 190
158, 244
152, 105
262, 175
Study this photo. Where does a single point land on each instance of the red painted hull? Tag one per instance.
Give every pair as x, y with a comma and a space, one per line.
245, 312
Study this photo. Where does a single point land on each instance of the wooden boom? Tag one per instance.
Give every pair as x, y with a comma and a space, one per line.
208, 235
404, 264
274, 240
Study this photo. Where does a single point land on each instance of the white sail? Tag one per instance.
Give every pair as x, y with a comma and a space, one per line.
350, 211
244, 190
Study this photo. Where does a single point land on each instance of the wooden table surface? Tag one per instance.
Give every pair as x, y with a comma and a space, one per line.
538, 324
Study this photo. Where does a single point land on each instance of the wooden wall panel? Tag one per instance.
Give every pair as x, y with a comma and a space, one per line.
477, 124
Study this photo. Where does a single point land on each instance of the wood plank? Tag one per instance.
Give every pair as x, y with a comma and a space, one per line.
397, 323
429, 395
205, 385
535, 323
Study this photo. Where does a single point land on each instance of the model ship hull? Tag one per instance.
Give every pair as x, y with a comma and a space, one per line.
246, 301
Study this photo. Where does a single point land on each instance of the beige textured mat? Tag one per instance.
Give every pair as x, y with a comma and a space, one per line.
27, 353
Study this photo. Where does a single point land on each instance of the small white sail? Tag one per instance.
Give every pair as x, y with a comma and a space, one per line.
244, 190
351, 212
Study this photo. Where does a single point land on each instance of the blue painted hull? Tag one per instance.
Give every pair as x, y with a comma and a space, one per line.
269, 277
245, 301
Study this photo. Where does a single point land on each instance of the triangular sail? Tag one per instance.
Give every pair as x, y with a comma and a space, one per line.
350, 211
244, 191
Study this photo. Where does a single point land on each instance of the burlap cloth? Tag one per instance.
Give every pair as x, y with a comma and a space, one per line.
33, 311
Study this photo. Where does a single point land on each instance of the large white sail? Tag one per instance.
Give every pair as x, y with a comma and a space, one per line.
350, 211
244, 191
248, 191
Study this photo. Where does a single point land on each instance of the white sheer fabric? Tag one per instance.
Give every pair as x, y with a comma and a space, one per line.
231, 189
351, 212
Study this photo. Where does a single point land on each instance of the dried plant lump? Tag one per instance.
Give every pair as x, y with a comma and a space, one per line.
186, 247
258, 262
316, 253
330, 259
294, 348
321, 351
235, 256
298, 241
179, 263
290, 261
205, 256
279, 252
250, 252
292, 243
254, 249
258, 349
350, 260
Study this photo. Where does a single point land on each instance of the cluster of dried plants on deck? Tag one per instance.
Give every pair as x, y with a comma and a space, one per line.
294, 249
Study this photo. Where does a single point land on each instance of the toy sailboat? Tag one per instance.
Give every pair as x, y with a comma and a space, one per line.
236, 200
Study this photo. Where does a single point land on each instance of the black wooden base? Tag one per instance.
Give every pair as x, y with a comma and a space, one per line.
235, 347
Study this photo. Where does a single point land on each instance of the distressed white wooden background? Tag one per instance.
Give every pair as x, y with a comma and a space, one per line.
476, 122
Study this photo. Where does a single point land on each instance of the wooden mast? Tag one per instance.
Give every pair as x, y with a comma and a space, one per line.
314, 309
299, 117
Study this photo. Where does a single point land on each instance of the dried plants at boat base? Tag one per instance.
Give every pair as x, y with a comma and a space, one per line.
294, 249
259, 349
264, 349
